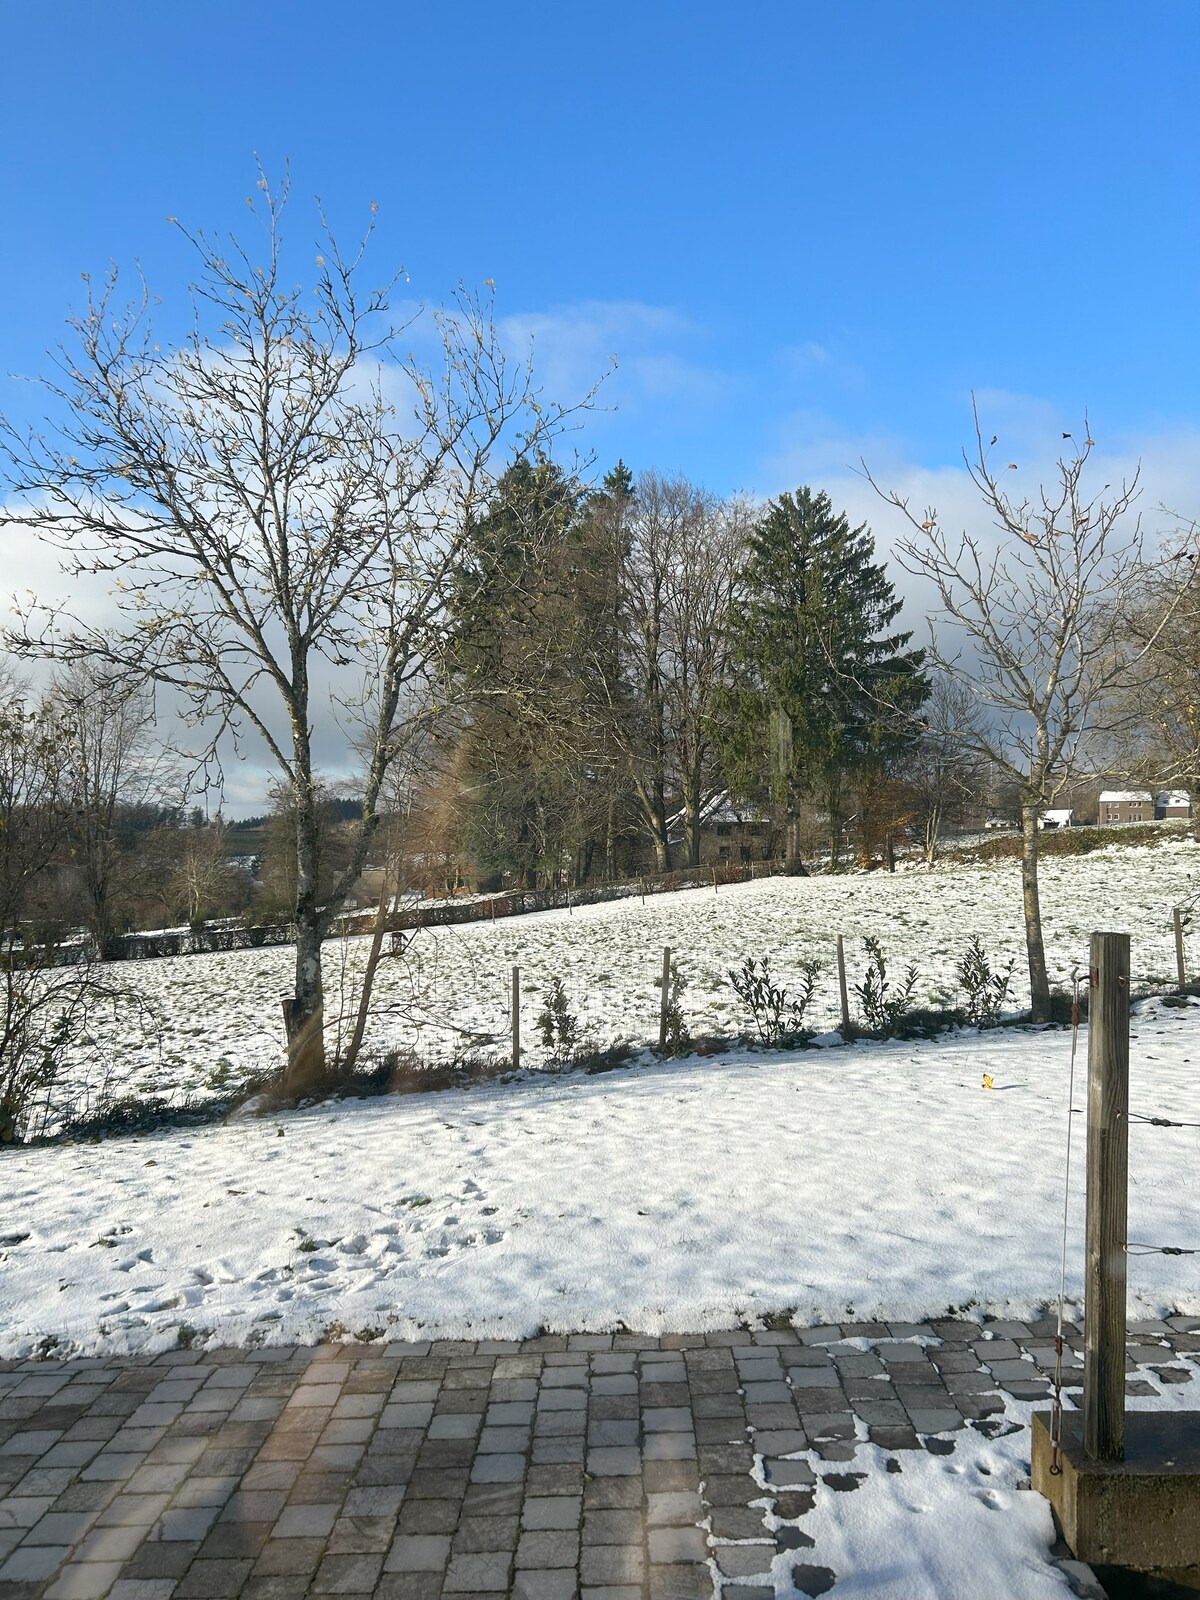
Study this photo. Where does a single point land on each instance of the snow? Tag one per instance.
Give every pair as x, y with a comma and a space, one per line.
861, 1182
221, 1016
1125, 797
866, 1181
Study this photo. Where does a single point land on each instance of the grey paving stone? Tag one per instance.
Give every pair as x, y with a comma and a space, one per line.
482, 1572
558, 1547
670, 1447
610, 1563
23, 1511
786, 1474
509, 1413
615, 1526
305, 1521
668, 1546
614, 1432
129, 1509
673, 1508
744, 1560
505, 1468
347, 1574
213, 1580
85, 1581
939, 1421
544, 1584
503, 1440
551, 1511
291, 1558
60, 1527
614, 1461
109, 1544
419, 1552
33, 1564
454, 1425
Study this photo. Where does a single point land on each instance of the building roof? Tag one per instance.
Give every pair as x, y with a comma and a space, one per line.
1174, 797
1113, 797
1059, 814
719, 809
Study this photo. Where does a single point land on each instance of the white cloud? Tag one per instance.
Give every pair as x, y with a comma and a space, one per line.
642, 352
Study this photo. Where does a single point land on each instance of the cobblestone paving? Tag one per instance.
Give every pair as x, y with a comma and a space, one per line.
608, 1467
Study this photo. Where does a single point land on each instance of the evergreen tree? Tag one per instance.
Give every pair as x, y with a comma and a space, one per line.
526, 613
824, 691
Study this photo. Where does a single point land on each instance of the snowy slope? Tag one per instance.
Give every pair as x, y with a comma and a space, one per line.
874, 1180
221, 1013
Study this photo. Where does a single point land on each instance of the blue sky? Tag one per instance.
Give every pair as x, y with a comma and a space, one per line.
804, 230
807, 232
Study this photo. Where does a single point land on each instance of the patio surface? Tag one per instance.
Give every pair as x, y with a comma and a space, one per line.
608, 1467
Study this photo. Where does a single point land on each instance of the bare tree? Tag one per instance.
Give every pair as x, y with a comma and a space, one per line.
47, 1004
267, 514
201, 880
1028, 622
110, 764
678, 561
944, 771
1163, 699
701, 583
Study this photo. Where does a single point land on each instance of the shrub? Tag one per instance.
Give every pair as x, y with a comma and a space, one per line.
557, 1023
678, 1037
883, 1003
986, 991
778, 1018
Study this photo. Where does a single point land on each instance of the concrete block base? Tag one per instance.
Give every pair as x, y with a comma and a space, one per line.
1143, 1512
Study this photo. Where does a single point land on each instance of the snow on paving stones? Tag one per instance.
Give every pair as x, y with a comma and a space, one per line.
918, 1525
867, 1181
222, 1019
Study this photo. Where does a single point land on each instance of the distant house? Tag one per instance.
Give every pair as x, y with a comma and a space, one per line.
1059, 817
1126, 805
728, 832
1173, 803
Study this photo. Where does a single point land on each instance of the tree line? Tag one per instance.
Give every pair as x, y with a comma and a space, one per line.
621, 658
286, 496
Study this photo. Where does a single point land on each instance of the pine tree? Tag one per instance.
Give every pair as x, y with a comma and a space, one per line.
823, 690
525, 616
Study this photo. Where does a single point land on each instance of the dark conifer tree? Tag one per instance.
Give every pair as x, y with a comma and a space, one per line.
824, 689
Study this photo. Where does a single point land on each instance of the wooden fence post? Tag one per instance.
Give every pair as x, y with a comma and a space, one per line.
1107, 1198
714, 880
841, 966
1180, 967
516, 1019
665, 999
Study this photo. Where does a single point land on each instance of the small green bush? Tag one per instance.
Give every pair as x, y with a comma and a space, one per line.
557, 1023
986, 990
778, 1017
678, 1036
883, 1003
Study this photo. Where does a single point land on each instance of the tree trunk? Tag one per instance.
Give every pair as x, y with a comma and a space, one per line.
374, 954
691, 823
306, 1014
1039, 982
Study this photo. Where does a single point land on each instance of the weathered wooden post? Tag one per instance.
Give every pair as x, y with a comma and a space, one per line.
1180, 967
841, 966
665, 999
1107, 1198
714, 870
516, 1018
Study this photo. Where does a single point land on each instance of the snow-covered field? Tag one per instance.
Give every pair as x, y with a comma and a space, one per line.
221, 1016
867, 1181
